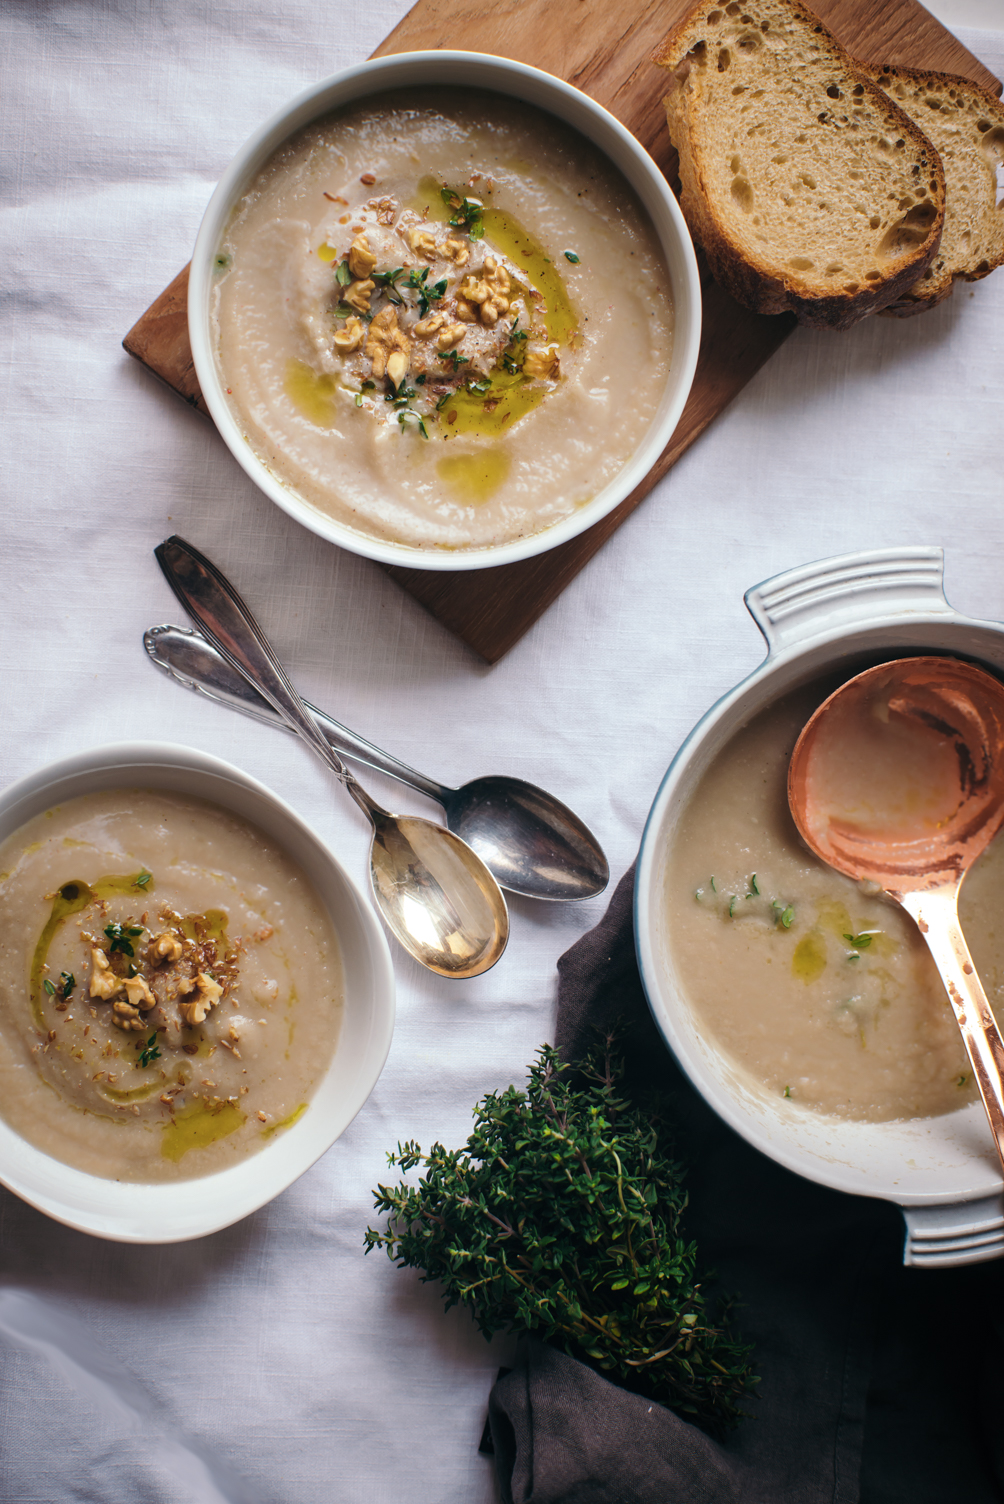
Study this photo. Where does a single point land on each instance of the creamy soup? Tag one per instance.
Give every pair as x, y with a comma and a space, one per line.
170, 986
442, 319
820, 989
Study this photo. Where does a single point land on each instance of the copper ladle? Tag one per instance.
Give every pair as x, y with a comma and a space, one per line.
898, 780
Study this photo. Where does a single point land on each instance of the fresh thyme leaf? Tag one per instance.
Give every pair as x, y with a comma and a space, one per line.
561, 1216
122, 937
359, 399
346, 311
732, 907
467, 214
753, 885
151, 1052
962, 1079
787, 1091
67, 982
143, 879
50, 987
572, 257
458, 360
788, 916
368, 386
342, 274
421, 380
478, 385
407, 416
859, 942
444, 399
388, 281
713, 888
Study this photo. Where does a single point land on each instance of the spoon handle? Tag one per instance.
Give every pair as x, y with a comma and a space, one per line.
936, 913
222, 616
186, 657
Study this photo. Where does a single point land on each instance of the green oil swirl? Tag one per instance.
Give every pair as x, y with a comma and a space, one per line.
312, 393
72, 898
288, 1122
199, 1125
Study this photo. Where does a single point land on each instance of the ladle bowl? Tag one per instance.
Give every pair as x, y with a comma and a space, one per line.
897, 780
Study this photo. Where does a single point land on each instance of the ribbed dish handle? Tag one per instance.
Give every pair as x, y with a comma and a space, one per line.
833, 594
970, 1232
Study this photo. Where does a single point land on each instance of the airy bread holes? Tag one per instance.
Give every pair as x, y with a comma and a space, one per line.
743, 194
908, 232
724, 59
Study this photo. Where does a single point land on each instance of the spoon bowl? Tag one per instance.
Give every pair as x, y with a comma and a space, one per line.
897, 780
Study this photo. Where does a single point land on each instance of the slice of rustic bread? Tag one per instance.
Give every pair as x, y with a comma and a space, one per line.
966, 124
808, 188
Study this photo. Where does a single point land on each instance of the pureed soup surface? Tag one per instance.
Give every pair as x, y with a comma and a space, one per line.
822, 993
170, 986
442, 318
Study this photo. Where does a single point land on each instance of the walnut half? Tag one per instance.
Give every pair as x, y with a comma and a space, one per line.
383, 340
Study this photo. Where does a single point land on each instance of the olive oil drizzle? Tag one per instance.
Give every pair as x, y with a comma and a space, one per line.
71, 898
286, 1122
199, 1125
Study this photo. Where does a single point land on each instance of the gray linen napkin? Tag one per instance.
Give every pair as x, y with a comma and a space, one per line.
879, 1384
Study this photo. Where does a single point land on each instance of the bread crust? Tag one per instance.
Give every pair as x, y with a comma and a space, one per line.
757, 279
948, 267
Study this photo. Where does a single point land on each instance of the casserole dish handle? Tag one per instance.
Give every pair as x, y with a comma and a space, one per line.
833, 594
965, 1233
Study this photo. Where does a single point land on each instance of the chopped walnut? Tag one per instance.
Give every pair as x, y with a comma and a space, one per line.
104, 982
358, 295
541, 363
397, 367
349, 339
467, 311
210, 993
361, 259
139, 993
425, 328
386, 209
383, 339
165, 947
126, 1017
451, 336
457, 251
490, 292
423, 242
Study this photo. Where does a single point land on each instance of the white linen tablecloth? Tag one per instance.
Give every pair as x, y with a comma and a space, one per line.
273, 1362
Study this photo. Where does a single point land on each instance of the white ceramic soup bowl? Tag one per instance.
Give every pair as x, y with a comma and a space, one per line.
479, 72
836, 615
173, 1212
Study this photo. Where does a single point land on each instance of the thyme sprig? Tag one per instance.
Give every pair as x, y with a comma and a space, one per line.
466, 213
150, 1052
561, 1216
122, 936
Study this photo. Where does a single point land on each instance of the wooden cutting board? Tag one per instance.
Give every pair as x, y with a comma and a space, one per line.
604, 50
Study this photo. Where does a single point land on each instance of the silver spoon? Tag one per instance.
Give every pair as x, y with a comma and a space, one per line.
437, 897
530, 841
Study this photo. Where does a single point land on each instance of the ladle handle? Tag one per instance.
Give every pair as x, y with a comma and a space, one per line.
937, 916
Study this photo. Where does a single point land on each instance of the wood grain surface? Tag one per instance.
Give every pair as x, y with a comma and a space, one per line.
604, 50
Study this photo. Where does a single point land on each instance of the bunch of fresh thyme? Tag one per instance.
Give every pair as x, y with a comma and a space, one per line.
561, 1216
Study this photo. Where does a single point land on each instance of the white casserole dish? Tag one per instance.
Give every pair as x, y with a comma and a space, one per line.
175, 1211
467, 70
838, 614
